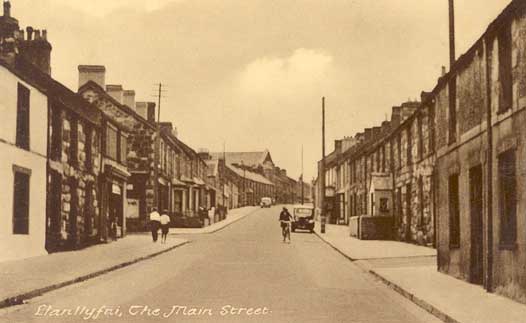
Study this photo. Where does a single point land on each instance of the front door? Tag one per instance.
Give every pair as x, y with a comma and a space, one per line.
408, 213
475, 202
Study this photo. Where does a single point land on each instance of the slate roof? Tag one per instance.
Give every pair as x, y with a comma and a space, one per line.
250, 175
54, 90
250, 159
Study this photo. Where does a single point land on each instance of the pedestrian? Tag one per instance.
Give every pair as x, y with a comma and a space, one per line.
155, 222
165, 226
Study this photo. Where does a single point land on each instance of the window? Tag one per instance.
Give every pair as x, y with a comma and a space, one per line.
507, 198
421, 200
505, 76
399, 150
111, 143
21, 200
74, 143
420, 138
452, 110
454, 212
88, 145
22, 118
384, 206
56, 134
409, 145
383, 159
431, 121
123, 147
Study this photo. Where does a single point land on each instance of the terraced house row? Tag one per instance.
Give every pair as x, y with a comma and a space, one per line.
448, 171
87, 167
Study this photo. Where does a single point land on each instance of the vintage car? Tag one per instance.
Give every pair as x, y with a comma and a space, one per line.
303, 217
266, 202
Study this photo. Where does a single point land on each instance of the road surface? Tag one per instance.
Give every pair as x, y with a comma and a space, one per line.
243, 273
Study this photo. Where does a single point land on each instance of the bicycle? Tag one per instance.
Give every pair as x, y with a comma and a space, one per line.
285, 230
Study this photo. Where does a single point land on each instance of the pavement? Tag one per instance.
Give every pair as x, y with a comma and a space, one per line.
412, 271
232, 216
24, 279
243, 273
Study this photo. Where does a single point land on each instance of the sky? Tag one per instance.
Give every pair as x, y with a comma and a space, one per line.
251, 73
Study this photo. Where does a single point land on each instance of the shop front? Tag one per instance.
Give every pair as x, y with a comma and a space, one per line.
114, 202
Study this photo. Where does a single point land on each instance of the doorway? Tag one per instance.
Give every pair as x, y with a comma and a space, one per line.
475, 203
408, 213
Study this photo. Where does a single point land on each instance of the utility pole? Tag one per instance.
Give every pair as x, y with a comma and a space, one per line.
322, 168
157, 149
452, 56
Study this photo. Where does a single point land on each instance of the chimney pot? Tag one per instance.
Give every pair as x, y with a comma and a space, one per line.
443, 71
37, 34
44, 34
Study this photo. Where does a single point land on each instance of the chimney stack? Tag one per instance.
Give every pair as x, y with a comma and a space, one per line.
7, 8
29, 33
396, 116
129, 98
146, 110
115, 91
368, 134
95, 73
338, 145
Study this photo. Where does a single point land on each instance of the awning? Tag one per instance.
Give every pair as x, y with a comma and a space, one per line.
198, 181
177, 182
187, 180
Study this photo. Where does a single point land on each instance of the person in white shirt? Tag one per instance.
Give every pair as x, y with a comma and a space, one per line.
165, 225
155, 222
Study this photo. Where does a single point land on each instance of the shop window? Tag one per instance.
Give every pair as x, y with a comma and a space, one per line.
505, 75
21, 200
507, 198
22, 118
454, 212
384, 206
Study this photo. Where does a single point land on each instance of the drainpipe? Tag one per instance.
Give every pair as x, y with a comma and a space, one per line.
489, 163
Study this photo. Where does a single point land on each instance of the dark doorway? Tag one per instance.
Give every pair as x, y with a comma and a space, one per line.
116, 216
475, 202
408, 213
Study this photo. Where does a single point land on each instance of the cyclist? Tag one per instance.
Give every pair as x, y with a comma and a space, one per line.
285, 220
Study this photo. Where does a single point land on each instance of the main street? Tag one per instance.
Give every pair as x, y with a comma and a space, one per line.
243, 273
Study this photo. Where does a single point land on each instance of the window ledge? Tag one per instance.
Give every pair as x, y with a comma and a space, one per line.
508, 246
454, 246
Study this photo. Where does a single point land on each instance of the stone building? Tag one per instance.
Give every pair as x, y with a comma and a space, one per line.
383, 177
480, 112
129, 160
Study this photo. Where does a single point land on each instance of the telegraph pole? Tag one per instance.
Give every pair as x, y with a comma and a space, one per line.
451, 33
322, 167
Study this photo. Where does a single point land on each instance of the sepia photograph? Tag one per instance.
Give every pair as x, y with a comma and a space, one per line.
263, 161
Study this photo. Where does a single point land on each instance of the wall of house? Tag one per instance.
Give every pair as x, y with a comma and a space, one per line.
33, 244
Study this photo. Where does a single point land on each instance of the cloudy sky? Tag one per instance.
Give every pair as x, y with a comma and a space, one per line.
251, 73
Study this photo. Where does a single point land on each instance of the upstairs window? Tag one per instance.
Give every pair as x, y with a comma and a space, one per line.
505, 76
420, 138
452, 110
88, 147
56, 134
111, 143
431, 126
123, 149
22, 117
409, 146
74, 143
